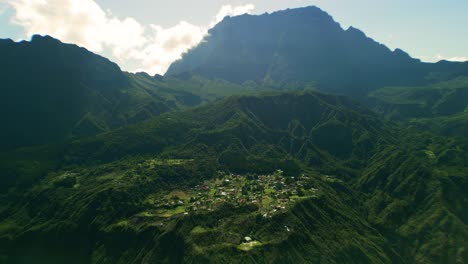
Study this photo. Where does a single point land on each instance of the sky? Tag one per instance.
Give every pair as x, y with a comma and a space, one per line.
148, 35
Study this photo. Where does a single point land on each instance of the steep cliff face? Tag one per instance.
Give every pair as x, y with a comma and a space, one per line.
304, 45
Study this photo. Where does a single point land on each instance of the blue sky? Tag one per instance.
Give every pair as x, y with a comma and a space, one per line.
148, 35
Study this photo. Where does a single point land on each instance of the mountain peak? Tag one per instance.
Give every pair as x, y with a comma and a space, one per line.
43, 38
6, 42
309, 14
307, 10
354, 30
301, 15
36, 38
302, 45
401, 53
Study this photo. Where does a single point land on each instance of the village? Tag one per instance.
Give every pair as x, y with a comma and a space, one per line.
272, 194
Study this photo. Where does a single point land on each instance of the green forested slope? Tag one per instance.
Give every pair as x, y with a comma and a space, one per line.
52, 91
214, 162
441, 107
382, 194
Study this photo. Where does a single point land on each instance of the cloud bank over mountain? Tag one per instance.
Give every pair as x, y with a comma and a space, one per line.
152, 47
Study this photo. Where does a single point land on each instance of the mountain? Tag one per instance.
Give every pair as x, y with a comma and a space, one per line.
305, 45
338, 125
51, 91
231, 126
336, 183
234, 156
440, 107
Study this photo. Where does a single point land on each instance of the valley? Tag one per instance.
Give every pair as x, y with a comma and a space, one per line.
280, 138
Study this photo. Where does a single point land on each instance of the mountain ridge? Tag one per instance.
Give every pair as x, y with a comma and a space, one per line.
103, 166
52, 91
305, 45
376, 197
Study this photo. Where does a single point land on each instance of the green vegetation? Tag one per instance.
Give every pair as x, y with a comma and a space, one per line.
271, 194
247, 246
440, 107
60, 91
203, 179
233, 156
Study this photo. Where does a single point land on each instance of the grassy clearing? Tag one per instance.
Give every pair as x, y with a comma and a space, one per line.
430, 154
123, 223
249, 245
168, 162
146, 214
110, 176
198, 230
266, 203
181, 195
172, 212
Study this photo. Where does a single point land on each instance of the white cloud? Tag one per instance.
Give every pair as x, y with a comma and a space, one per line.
458, 59
440, 57
167, 45
229, 10
85, 23
80, 22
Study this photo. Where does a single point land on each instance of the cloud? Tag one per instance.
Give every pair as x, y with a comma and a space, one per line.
440, 57
85, 23
167, 45
229, 10
463, 59
457, 58
80, 22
